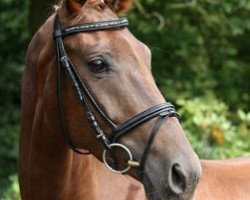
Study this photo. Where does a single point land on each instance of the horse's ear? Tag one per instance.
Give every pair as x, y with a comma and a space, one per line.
120, 6
74, 6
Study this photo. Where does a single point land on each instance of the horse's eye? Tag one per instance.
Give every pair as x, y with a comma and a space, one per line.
97, 65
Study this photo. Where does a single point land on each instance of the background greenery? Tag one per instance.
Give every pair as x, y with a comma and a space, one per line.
201, 61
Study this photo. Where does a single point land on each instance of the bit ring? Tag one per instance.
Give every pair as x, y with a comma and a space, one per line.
126, 150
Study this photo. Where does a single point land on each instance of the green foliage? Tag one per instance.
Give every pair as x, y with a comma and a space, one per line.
13, 36
12, 192
198, 47
211, 129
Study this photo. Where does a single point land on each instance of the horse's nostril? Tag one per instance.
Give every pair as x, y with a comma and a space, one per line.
177, 179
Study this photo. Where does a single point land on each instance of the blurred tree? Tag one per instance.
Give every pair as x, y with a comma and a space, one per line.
199, 47
39, 12
13, 40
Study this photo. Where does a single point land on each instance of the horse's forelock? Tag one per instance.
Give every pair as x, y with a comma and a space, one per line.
57, 5
117, 6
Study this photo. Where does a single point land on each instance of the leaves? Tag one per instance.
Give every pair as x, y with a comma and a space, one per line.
13, 39
201, 48
209, 121
12, 193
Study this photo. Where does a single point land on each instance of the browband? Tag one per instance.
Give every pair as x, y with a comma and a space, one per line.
94, 26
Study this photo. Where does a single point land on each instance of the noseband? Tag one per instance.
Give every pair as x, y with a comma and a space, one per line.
87, 101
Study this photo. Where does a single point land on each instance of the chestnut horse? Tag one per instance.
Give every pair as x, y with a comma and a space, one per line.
86, 75
224, 180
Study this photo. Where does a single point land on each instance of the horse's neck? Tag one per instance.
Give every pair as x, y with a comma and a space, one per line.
225, 179
48, 169
55, 172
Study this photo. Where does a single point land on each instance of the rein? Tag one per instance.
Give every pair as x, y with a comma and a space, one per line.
161, 111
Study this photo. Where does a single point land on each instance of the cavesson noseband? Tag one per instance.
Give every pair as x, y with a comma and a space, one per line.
83, 93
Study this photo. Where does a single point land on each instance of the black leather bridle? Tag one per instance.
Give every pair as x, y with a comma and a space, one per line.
87, 101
